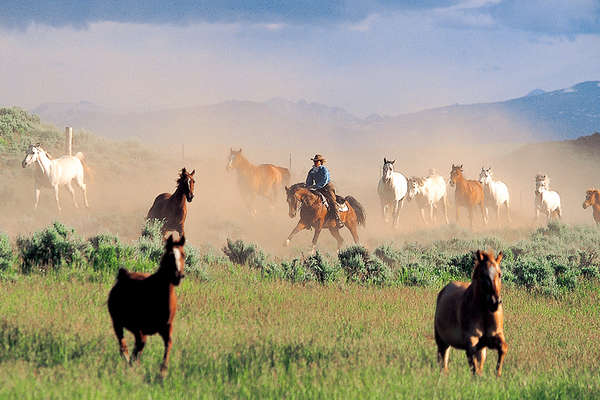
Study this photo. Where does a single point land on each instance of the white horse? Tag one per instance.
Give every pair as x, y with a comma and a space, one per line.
546, 200
392, 189
429, 192
495, 193
53, 173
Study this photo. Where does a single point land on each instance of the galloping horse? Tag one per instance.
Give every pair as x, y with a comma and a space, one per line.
428, 192
391, 189
53, 173
496, 193
592, 198
470, 316
172, 207
314, 214
546, 200
264, 179
145, 304
469, 193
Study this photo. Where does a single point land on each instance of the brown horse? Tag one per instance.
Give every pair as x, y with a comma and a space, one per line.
172, 207
469, 193
470, 316
314, 214
145, 304
592, 198
264, 179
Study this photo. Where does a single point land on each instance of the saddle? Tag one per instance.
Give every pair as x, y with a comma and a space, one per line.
341, 202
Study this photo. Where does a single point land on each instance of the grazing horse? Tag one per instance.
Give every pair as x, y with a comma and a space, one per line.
429, 192
469, 316
469, 193
314, 214
546, 201
53, 173
391, 189
145, 304
264, 179
592, 198
171, 207
496, 193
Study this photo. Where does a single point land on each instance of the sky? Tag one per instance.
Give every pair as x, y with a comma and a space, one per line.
386, 57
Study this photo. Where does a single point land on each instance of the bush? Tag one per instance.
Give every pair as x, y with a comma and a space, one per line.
108, 253
320, 268
150, 243
245, 254
7, 255
361, 267
53, 247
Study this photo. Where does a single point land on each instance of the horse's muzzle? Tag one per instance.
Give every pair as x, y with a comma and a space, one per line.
23, 164
190, 197
585, 205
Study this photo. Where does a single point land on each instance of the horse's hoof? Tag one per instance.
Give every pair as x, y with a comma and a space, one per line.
286, 243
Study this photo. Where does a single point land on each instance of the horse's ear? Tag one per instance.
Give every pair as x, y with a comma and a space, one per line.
181, 241
461, 166
170, 242
193, 172
478, 256
384, 160
393, 161
287, 189
499, 258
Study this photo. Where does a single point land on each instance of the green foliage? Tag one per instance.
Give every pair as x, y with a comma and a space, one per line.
245, 254
108, 253
362, 268
150, 243
318, 266
52, 247
7, 255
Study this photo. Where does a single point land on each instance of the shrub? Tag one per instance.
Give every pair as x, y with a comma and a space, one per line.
245, 254
53, 247
361, 267
7, 255
150, 243
108, 253
320, 268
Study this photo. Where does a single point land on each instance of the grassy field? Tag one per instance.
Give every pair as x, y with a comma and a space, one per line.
238, 335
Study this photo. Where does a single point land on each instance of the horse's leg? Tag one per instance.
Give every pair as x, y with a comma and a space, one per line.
120, 338
443, 352
166, 336
36, 197
423, 215
483, 213
70, 188
315, 239
446, 210
431, 217
502, 348
140, 342
498, 214
56, 197
300, 226
335, 232
396, 213
471, 216
83, 188
508, 218
457, 206
353, 228
471, 350
480, 356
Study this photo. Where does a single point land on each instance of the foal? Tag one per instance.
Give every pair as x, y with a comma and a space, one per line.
470, 316
145, 304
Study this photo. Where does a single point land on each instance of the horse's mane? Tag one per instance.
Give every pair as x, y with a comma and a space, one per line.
417, 179
297, 186
182, 177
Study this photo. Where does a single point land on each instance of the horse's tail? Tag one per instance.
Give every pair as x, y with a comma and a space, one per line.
87, 169
358, 209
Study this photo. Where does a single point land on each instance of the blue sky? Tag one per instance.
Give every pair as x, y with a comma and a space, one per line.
367, 56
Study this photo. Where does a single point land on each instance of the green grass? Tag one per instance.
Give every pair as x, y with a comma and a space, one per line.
239, 335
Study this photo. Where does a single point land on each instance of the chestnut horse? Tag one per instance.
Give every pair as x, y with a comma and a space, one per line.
172, 207
592, 198
264, 179
469, 316
469, 193
314, 214
145, 304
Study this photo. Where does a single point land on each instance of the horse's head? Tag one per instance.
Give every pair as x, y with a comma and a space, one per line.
457, 170
173, 261
590, 198
487, 279
292, 199
414, 187
485, 176
388, 169
186, 182
32, 155
542, 183
233, 160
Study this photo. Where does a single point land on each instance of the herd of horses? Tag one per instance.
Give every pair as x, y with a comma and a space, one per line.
468, 315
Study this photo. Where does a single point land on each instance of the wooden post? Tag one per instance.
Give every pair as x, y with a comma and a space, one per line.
68, 141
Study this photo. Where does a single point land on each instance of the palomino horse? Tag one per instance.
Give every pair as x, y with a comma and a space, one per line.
314, 214
264, 179
53, 173
496, 193
546, 201
592, 198
469, 316
429, 192
391, 189
469, 193
145, 304
172, 207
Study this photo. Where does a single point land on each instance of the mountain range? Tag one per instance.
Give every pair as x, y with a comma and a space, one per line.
538, 116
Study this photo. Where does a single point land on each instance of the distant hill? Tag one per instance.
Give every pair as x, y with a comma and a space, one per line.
538, 116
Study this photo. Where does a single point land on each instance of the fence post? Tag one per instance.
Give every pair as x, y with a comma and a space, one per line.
68, 141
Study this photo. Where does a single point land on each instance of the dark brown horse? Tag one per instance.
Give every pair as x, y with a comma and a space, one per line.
145, 304
172, 207
314, 214
469, 193
592, 198
265, 179
469, 316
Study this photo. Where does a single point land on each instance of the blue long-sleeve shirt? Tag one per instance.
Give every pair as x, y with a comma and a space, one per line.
317, 177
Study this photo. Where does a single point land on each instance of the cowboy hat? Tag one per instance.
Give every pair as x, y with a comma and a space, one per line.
318, 157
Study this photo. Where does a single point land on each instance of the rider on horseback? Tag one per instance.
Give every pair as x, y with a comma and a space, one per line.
318, 179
